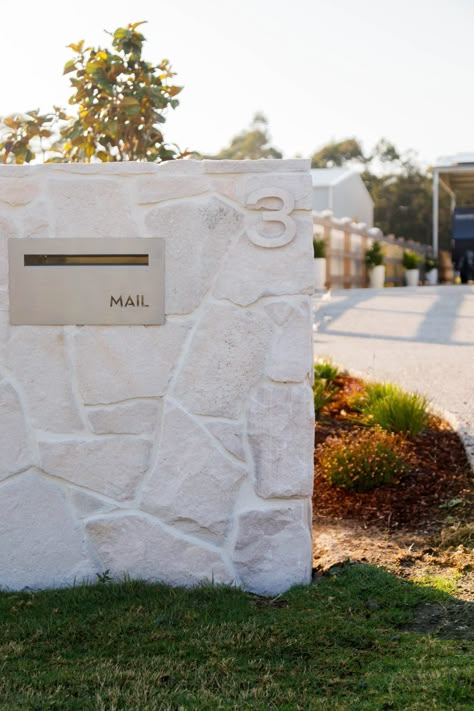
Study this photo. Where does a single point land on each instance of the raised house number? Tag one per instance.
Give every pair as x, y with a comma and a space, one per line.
268, 214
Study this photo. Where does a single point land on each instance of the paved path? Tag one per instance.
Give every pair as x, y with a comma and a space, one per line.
421, 338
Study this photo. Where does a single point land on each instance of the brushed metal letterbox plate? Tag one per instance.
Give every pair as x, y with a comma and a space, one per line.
86, 281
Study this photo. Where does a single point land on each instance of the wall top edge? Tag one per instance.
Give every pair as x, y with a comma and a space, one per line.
263, 165
176, 167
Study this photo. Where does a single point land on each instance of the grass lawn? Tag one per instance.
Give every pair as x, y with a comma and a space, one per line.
337, 644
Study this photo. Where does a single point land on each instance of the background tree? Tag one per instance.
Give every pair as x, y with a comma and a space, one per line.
338, 153
252, 143
403, 197
403, 204
121, 100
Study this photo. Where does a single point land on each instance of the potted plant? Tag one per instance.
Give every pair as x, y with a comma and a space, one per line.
431, 270
319, 252
374, 257
411, 262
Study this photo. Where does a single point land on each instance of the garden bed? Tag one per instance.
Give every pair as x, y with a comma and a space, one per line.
420, 527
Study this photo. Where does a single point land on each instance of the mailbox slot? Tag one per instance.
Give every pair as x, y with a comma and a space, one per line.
86, 281
79, 260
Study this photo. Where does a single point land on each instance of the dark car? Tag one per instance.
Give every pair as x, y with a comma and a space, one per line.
463, 243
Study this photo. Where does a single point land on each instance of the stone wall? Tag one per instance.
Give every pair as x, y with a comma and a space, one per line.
180, 452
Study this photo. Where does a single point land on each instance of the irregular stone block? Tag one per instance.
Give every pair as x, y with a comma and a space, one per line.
43, 547
86, 505
18, 191
281, 435
198, 233
225, 185
37, 357
124, 168
250, 272
15, 453
123, 362
279, 311
238, 188
158, 188
225, 361
135, 417
7, 229
291, 356
96, 207
177, 167
35, 222
229, 435
298, 184
113, 466
136, 546
4, 322
273, 549
193, 485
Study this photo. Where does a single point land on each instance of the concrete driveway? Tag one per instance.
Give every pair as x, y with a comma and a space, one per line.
421, 338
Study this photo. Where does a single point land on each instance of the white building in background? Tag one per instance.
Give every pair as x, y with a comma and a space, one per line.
343, 191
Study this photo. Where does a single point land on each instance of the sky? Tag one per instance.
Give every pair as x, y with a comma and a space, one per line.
320, 70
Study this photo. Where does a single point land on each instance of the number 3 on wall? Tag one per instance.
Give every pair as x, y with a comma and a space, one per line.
268, 214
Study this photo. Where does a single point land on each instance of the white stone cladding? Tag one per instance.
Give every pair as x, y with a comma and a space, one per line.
182, 452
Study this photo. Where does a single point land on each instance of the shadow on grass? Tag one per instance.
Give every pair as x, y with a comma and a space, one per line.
335, 644
434, 611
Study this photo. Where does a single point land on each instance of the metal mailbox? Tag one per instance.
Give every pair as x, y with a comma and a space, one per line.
86, 281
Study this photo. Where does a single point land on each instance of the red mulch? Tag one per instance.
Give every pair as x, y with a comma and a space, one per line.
439, 473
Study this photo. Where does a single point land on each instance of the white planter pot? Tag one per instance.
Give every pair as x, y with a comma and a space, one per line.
377, 277
412, 277
319, 272
432, 277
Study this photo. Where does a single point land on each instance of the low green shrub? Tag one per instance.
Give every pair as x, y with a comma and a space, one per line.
325, 370
361, 460
431, 263
373, 392
323, 393
405, 414
392, 408
410, 259
319, 248
374, 256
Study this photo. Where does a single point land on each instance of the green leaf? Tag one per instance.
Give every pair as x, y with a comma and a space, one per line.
112, 128
129, 101
103, 83
73, 132
92, 67
451, 503
131, 110
69, 66
120, 34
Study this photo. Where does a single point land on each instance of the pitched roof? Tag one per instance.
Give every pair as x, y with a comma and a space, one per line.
325, 177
